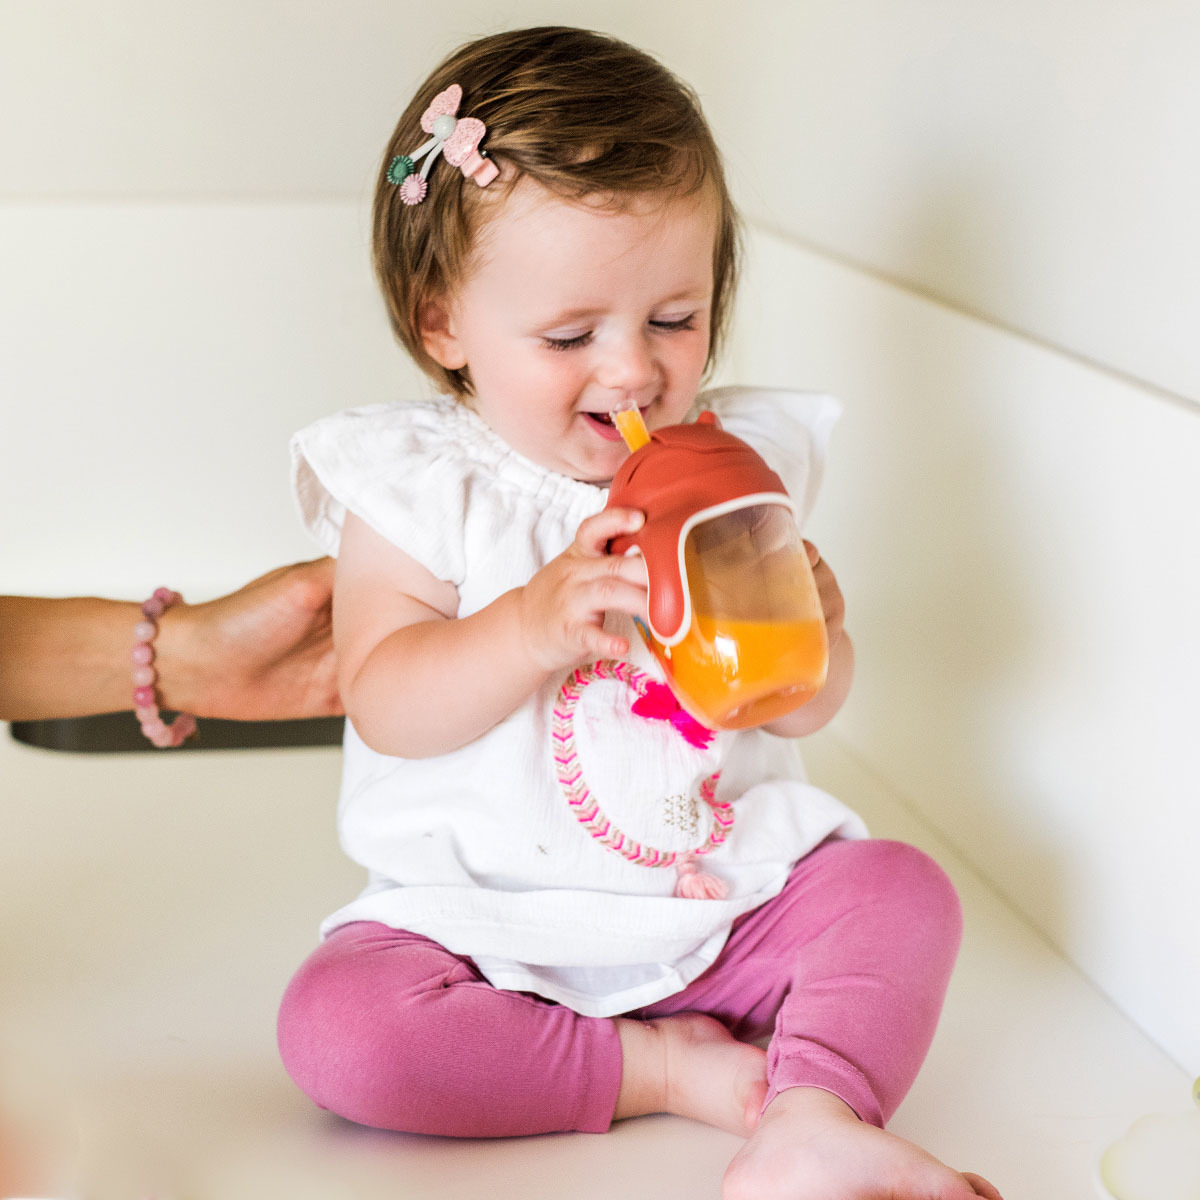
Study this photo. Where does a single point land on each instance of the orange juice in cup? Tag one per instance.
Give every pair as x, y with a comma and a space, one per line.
755, 646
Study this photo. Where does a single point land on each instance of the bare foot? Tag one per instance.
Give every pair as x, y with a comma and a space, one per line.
809, 1145
691, 1065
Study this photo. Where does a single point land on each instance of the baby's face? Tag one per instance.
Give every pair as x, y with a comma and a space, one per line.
572, 310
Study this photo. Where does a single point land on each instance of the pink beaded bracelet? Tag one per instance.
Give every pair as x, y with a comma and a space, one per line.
145, 698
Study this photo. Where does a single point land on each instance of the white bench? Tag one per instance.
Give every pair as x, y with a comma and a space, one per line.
154, 907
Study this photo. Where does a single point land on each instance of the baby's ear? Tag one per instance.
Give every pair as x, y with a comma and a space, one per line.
436, 327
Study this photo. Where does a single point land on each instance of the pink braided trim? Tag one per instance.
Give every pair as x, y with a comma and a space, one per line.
579, 796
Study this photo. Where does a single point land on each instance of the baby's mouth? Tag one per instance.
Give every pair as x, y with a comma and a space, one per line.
604, 425
606, 418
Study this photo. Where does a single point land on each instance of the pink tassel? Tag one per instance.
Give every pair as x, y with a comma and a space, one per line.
658, 703
693, 732
693, 884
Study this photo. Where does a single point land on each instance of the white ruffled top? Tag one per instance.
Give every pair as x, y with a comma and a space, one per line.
481, 849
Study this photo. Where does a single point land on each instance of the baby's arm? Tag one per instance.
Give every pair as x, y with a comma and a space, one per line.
417, 680
822, 708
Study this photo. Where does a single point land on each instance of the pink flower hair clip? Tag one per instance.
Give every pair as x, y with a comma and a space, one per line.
457, 138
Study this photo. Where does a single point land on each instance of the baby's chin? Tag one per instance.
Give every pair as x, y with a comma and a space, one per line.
600, 475
597, 478
601, 480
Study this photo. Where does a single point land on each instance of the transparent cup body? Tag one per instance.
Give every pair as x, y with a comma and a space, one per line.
756, 647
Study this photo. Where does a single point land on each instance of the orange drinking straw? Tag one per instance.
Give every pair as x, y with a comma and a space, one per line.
631, 427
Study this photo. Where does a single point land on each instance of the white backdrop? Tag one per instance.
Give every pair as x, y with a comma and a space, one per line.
975, 223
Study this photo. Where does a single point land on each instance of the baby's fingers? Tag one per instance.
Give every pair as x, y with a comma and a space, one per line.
621, 589
594, 533
597, 642
618, 585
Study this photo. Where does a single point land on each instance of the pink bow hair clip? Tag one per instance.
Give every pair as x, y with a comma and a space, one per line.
457, 138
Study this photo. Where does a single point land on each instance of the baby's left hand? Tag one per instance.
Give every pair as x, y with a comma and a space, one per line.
833, 606
810, 717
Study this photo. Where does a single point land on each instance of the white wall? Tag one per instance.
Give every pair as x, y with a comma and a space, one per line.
975, 223
1029, 162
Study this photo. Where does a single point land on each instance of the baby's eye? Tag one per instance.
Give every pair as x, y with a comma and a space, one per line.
675, 324
567, 343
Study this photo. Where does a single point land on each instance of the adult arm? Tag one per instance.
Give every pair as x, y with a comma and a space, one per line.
264, 652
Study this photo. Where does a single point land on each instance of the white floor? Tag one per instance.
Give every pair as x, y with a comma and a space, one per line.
153, 907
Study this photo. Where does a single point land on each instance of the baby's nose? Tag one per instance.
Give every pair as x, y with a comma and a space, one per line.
628, 366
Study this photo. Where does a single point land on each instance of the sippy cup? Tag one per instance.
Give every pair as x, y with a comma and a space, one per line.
734, 615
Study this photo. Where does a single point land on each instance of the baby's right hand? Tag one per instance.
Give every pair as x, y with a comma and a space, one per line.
562, 607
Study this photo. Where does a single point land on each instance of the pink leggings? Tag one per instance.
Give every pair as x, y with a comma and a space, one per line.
846, 968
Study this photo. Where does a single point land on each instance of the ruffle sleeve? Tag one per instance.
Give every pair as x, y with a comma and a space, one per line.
396, 468
789, 429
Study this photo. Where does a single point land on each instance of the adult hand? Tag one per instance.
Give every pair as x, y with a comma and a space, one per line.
264, 652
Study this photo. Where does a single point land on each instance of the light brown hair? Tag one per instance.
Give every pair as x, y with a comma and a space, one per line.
581, 113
